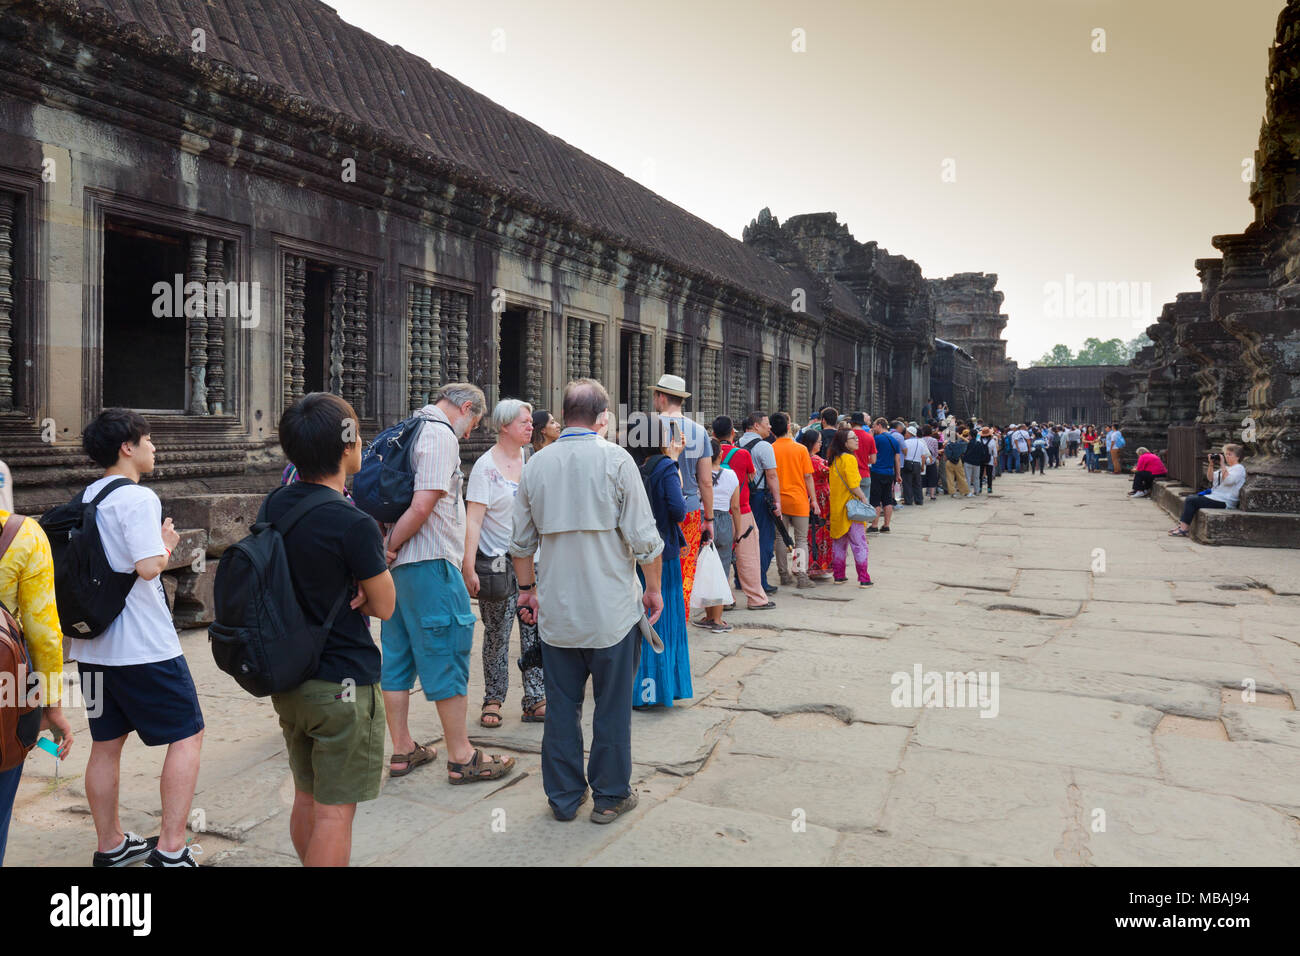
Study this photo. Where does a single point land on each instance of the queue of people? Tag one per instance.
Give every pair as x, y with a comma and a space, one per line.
591, 541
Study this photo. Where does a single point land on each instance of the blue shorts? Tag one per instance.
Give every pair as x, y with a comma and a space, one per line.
158, 701
430, 633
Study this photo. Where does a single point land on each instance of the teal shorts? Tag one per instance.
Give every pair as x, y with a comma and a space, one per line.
430, 633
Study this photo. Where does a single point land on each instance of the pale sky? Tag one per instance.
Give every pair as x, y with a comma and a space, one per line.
1113, 166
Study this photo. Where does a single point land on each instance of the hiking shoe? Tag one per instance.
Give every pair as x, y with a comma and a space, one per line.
134, 850
157, 858
610, 814
586, 795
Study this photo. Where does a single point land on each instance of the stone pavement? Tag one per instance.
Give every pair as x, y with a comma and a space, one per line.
1117, 731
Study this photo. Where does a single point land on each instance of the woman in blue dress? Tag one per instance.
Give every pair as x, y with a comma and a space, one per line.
663, 678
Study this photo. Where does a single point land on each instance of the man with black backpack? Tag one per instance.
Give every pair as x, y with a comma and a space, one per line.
133, 673
432, 630
334, 721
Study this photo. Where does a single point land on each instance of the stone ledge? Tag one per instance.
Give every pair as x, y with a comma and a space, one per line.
1244, 529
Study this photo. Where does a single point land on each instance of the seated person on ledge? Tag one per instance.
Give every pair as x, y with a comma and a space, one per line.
1225, 489
1149, 467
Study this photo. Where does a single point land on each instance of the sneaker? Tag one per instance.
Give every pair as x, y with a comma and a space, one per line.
885, 530
186, 858
841, 580
722, 628
871, 530
865, 584
133, 850
972, 494
1139, 494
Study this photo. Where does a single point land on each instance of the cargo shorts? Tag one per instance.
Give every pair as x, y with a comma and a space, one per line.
335, 734
430, 633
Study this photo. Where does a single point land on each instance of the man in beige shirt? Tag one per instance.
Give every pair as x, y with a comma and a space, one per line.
584, 498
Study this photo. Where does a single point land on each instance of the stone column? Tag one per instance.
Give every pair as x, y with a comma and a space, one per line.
534, 356
7, 210
338, 295
598, 351
295, 339
462, 336
216, 376
197, 325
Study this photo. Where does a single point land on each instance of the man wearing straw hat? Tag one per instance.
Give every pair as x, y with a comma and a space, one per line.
696, 465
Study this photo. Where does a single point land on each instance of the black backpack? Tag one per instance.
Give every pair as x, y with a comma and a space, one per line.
260, 636
88, 592
385, 485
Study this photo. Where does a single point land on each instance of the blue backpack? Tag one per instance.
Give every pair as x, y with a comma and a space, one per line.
385, 485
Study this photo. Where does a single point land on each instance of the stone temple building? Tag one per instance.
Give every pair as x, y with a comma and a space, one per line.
968, 313
211, 207
1225, 363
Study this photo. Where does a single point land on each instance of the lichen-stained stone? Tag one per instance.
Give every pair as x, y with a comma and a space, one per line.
195, 604
191, 548
226, 518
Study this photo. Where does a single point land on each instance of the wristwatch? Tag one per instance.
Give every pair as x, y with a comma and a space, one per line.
527, 587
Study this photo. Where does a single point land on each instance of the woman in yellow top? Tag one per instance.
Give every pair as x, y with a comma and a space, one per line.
845, 483
27, 590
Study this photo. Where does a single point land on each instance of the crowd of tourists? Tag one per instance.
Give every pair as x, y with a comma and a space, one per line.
604, 547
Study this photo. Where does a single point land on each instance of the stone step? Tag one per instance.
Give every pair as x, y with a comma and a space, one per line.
1245, 529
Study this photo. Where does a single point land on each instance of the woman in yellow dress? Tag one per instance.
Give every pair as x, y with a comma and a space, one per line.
846, 483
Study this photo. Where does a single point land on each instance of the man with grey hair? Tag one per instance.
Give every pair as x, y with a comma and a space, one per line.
432, 630
584, 498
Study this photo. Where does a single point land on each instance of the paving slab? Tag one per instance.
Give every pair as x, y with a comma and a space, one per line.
1256, 772
716, 836
1053, 728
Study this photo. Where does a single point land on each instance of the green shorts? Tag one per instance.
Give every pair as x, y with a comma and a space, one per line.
335, 734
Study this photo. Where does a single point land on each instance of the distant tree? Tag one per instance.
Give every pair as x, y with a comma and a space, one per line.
1059, 355
1097, 352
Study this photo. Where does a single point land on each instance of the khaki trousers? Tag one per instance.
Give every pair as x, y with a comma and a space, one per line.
954, 473
746, 558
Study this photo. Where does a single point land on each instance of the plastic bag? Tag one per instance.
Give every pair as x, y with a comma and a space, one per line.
711, 585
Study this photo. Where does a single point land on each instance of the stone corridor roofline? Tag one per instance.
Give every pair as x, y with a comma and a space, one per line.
396, 174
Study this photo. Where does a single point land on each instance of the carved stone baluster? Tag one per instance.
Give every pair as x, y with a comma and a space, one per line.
338, 305
598, 351
196, 323
646, 374
571, 349
534, 359
361, 355
584, 348
217, 325
462, 337
7, 210
634, 371
414, 346
437, 351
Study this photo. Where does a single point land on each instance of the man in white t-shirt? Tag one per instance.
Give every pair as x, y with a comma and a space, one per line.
133, 675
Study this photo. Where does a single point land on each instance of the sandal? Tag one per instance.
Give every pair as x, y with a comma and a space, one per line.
610, 814
477, 768
418, 757
531, 716
483, 717
1178, 533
